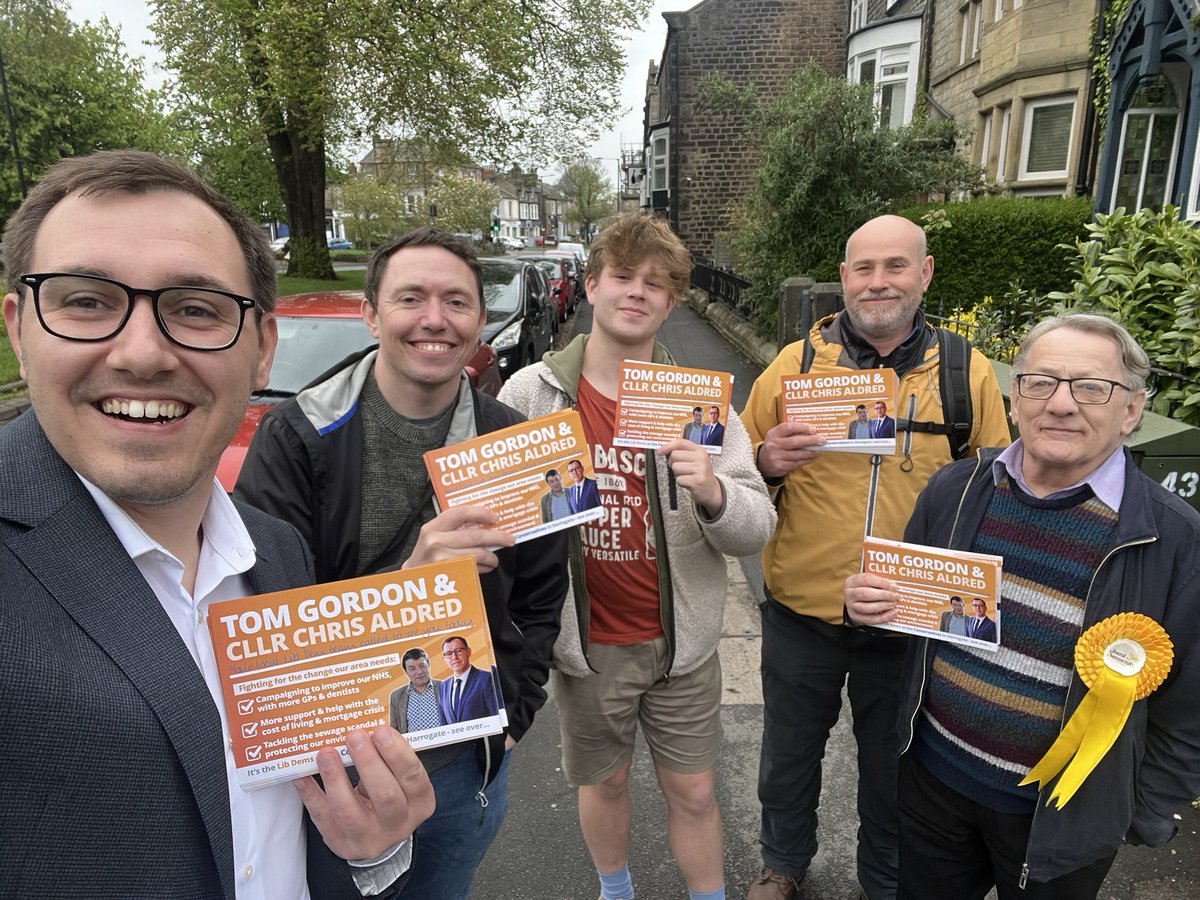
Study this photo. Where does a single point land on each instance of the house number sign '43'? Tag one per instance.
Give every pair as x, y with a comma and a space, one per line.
1185, 484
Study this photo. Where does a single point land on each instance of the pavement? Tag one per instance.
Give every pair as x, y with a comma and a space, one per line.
540, 854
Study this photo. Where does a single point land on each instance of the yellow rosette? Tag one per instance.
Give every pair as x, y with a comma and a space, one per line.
1121, 659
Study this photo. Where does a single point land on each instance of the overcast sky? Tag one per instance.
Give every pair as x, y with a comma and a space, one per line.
644, 45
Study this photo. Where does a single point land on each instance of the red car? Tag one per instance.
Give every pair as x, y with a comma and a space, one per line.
562, 283
316, 332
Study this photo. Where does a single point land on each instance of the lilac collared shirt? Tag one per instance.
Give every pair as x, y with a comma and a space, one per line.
1107, 480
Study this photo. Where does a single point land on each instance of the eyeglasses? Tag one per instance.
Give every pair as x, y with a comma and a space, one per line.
458, 652
91, 308
1094, 391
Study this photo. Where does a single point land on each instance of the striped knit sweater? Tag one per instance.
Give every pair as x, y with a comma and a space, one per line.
988, 717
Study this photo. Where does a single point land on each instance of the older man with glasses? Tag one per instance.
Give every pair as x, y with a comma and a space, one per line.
1086, 538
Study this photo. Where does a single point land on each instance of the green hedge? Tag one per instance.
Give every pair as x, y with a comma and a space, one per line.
1143, 269
995, 242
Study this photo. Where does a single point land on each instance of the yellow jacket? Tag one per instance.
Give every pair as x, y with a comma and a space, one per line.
826, 507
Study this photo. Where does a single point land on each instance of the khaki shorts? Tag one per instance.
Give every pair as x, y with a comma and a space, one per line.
599, 714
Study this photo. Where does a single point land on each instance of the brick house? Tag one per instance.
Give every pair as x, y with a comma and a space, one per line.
697, 160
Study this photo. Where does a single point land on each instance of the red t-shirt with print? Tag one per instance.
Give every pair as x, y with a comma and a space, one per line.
619, 561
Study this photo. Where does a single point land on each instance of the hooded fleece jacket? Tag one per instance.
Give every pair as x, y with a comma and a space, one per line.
691, 547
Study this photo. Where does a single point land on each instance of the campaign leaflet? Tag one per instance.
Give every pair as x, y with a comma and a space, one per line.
301, 668
855, 411
657, 404
536, 476
949, 595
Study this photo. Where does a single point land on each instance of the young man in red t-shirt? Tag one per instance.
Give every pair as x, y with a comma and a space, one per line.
640, 631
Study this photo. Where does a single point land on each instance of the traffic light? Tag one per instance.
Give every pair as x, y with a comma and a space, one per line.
495, 224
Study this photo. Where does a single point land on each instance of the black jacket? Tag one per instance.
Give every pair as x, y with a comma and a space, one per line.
305, 466
1153, 768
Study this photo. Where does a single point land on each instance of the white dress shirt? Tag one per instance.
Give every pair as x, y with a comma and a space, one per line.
268, 822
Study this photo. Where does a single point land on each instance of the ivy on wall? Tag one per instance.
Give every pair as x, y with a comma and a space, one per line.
1104, 27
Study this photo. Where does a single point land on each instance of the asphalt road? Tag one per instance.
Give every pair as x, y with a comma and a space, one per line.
540, 854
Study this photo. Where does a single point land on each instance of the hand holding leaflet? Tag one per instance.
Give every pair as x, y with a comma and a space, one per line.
851, 409
460, 531
949, 595
693, 470
788, 446
393, 795
306, 672
659, 403
871, 599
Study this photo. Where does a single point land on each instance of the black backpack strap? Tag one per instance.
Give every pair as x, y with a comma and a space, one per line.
954, 375
806, 358
954, 383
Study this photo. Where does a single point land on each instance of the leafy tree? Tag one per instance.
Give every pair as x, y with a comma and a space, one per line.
72, 89
827, 166
375, 209
588, 193
463, 203
487, 76
231, 155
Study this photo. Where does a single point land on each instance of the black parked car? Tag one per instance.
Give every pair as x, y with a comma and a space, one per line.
520, 320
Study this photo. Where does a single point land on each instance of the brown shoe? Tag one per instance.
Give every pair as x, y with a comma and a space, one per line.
772, 885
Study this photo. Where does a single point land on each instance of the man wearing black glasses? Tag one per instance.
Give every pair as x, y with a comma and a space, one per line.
140, 307
1085, 536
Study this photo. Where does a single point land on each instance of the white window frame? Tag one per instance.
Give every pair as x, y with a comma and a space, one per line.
660, 162
858, 14
884, 55
1002, 154
985, 141
893, 56
964, 24
971, 23
1004, 7
1026, 132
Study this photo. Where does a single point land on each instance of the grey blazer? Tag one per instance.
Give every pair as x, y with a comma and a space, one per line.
398, 705
112, 765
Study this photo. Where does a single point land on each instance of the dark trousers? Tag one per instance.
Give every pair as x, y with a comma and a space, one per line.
805, 663
952, 848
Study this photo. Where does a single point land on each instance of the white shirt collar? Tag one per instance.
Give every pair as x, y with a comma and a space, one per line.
227, 548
